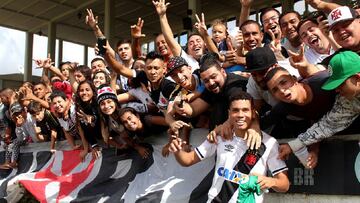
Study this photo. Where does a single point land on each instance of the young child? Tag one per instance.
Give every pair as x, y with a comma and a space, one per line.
219, 34
234, 157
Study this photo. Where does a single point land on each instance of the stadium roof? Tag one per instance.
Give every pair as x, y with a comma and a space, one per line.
34, 16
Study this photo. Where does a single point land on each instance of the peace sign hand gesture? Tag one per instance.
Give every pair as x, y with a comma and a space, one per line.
44, 63
87, 119
275, 44
200, 25
90, 20
298, 60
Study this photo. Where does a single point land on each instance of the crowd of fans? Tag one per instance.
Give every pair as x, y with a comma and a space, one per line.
291, 76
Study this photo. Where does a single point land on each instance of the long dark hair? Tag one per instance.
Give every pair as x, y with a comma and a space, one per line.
84, 106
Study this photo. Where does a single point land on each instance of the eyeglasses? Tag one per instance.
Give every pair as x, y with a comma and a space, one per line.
274, 18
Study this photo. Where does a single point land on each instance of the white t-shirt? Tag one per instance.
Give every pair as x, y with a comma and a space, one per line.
69, 125
259, 94
229, 153
194, 64
314, 57
27, 129
287, 45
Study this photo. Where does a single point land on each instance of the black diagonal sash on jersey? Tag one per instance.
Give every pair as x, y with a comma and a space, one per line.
245, 164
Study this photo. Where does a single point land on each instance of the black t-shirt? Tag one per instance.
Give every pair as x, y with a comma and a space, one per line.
322, 101
48, 124
91, 132
220, 102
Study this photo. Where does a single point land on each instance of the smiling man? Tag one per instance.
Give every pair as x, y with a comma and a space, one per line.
289, 22
219, 86
195, 44
318, 43
233, 157
152, 77
345, 27
252, 35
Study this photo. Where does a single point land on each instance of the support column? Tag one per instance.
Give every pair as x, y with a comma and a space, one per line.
287, 5
60, 52
306, 9
51, 40
195, 7
109, 21
86, 55
29, 40
257, 16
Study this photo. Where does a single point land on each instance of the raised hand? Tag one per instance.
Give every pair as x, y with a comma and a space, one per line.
90, 20
298, 60
160, 7
136, 29
44, 63
246, 3
200, 25
323, 24
239, 38
28, 94
212, 137
275, 44
87, 119
313, 3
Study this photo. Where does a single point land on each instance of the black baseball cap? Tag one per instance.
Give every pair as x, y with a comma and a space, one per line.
260, 58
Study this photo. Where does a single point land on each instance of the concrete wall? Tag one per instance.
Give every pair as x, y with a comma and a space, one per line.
309, 198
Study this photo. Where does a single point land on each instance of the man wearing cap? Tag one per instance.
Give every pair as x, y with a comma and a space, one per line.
258, 62
345, 25
24, 131
188, 87
344, 71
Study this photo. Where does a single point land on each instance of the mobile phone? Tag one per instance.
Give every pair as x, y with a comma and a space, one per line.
101, 42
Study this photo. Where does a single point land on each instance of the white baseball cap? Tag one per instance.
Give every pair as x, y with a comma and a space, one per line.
340, 14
